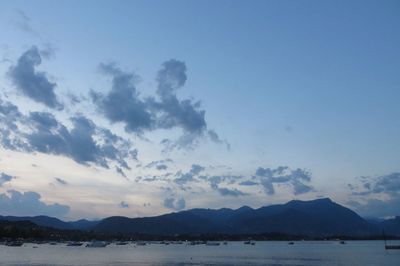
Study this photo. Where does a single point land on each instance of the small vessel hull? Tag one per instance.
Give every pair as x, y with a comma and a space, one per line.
96, 244
14, 244
213, 244
75, 244
392, 247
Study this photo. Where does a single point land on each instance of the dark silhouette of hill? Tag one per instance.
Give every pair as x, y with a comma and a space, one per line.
391, 226
52, 222
320, 217
316, 218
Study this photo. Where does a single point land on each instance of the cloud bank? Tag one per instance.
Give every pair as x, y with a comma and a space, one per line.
298, 179
174, 203
29, 204
123, 104
42, 132
377, 196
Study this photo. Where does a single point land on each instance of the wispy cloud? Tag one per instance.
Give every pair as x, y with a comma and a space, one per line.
24, 23
4, 178
123, 205
32, 83
61, 181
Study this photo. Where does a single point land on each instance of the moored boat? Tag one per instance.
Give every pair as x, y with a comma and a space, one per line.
96, 244
14, 243
389, 246
74, 244
392, 247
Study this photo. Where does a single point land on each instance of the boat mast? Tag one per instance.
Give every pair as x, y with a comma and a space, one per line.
384, 237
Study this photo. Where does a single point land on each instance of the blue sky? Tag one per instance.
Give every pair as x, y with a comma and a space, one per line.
300, 96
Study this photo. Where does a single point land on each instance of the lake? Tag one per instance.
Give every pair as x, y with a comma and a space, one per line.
234, 253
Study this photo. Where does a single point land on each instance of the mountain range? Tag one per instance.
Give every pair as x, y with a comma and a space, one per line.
51, 222
315, 218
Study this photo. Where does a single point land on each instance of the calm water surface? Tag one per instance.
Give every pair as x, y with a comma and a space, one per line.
235, 253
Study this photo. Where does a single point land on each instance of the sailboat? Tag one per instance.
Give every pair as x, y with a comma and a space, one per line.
389, 246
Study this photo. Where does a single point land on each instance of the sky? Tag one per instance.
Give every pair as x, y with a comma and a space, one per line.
140, 108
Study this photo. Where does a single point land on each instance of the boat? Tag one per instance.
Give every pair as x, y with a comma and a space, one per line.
14, 243
392, 246
96, 244
291, 243
212, 244
389, 246
74, 244
121, 243
249, 242
193, 243
342, 242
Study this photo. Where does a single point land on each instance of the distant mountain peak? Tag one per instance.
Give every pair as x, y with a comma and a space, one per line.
223, 209
323, 200
244, 208
320, 200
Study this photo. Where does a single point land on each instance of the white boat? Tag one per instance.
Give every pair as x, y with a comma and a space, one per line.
96, 244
